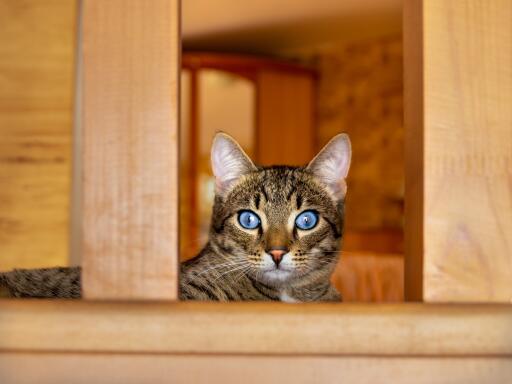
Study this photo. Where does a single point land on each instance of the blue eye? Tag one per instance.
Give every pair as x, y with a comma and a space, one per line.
248, 219
306, 220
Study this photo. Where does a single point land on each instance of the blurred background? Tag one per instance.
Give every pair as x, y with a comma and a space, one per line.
282, 77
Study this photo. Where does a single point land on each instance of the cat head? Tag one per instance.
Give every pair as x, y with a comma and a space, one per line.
280, 223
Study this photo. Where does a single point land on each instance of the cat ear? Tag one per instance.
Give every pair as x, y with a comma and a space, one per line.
229, 162
331, 164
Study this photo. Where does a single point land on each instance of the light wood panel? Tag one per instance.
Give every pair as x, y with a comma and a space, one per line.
284, 130
128, 368
460, 120
130, 149
37, 40
256, 328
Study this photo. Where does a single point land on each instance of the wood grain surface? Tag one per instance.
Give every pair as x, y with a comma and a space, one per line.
130, 149
37, 42
226, 369
461, 124
256, 328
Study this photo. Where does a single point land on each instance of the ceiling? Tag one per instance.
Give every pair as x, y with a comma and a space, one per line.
273, 25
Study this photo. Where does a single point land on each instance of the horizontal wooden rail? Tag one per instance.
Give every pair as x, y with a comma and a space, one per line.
256, 328
127, 368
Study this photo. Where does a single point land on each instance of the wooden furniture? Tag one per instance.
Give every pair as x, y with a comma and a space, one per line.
189, 342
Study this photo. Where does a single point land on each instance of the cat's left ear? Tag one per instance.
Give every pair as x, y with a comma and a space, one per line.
229, 162
332, 163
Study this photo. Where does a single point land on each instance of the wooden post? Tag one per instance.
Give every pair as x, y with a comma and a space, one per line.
458, 61
130, 149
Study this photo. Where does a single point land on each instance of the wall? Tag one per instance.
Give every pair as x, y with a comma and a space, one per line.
36, 86
360, 92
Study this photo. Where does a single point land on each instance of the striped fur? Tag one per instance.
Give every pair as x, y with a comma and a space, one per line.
235, 265
42, 283
231, 265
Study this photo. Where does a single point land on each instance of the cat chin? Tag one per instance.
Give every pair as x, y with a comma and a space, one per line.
276, 276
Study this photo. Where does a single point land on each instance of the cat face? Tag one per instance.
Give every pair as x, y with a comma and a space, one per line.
278, 224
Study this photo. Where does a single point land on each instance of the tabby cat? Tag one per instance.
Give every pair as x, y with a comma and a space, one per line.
275, 233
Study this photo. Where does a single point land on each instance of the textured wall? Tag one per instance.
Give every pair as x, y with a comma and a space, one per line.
360, 92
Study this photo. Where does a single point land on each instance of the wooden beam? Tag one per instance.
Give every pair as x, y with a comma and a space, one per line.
226, 369
130, 147
459, 124
256, 328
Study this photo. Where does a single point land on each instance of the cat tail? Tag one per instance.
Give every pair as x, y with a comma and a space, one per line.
5, 291
56, 282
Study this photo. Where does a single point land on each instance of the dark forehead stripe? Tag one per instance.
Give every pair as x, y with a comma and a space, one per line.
279, 183
257, 201
288, 185
298, 200
292, 190
276, 190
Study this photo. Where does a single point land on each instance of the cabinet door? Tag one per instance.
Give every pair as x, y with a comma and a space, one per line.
285, 132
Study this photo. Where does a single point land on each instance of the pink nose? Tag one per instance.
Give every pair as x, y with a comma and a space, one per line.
277, 255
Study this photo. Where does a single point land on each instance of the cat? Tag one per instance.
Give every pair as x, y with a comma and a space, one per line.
275, 233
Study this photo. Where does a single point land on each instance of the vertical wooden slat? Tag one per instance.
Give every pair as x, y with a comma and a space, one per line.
464, 118
193, 164
75, 211
130, 144
413, 121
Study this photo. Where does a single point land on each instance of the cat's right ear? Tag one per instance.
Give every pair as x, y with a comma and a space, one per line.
229, 162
